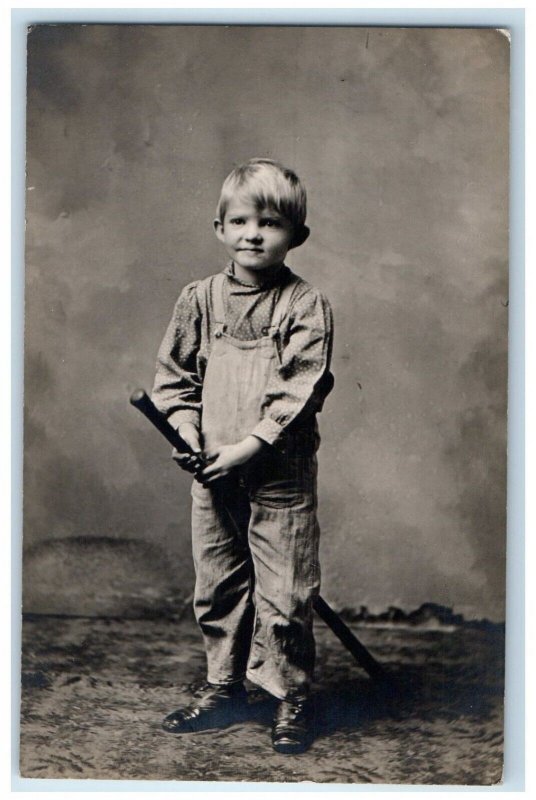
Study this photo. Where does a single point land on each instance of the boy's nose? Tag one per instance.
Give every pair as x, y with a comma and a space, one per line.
253, 234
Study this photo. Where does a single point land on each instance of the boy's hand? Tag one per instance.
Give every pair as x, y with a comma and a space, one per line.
223, 459
191, 462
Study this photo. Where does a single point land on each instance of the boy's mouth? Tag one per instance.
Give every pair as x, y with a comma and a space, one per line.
250, 250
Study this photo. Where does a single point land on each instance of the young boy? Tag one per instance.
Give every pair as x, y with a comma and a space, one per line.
241, 373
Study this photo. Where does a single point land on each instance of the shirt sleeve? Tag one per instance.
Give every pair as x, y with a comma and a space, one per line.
302, 378
178, 385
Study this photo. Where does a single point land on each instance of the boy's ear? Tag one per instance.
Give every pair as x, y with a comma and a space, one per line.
301, 236
218, 229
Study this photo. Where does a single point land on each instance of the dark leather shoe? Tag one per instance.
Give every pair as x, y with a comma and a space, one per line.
213, 707
293, 726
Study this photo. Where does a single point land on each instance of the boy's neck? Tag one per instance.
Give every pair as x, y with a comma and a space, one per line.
256, 276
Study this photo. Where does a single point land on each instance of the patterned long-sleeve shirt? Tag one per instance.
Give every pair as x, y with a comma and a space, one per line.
299, 384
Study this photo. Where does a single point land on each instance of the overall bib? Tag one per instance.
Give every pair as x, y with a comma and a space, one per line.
255, 532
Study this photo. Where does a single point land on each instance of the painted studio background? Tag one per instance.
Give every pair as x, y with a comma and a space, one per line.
401, 137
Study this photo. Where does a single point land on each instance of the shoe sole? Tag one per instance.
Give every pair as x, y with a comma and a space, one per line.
289, 749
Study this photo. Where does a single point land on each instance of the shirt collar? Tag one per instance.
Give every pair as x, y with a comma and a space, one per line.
273, 281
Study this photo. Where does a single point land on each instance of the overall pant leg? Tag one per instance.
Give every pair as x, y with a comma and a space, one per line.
284, 541
223, 603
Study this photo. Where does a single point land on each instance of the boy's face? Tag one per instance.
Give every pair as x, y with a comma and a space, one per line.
255, 240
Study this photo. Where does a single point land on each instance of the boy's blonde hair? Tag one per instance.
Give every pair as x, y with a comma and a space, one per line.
267, 184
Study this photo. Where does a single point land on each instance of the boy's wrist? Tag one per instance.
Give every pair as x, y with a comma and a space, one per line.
185, 426
249, 447
178, 418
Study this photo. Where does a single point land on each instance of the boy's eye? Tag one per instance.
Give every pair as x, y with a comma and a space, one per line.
237, 221
271, 223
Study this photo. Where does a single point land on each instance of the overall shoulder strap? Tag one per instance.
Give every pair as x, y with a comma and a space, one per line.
217, 298
281, 307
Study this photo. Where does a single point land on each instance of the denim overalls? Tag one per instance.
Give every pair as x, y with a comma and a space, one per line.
255, 532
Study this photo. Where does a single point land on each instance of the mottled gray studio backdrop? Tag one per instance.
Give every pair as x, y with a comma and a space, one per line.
401, 136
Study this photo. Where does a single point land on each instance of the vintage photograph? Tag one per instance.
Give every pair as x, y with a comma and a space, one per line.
265, 403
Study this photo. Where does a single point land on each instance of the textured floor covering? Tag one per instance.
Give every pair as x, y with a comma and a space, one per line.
94, 692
